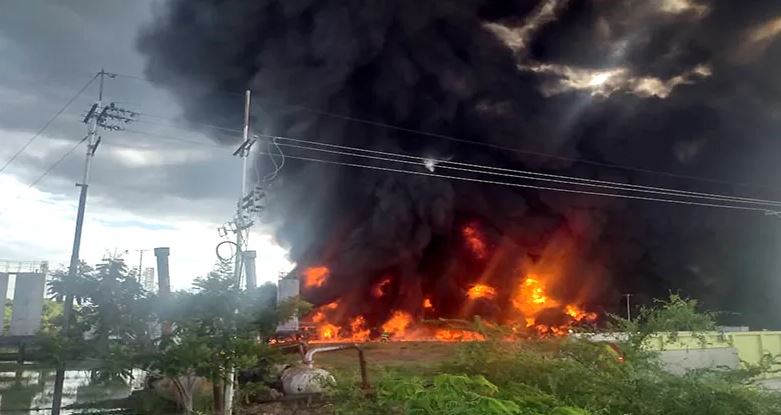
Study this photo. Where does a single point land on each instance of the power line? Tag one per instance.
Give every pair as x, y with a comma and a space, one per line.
523, 174
555, 178
483, 144
45, 173
48, 123
625, 196
529, 186
171, 125
174, 138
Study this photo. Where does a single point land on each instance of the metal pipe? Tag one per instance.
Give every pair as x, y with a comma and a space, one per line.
309, 359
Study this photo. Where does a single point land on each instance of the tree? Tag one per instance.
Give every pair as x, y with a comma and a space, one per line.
223, 268
665, 316
218, 327
110, 321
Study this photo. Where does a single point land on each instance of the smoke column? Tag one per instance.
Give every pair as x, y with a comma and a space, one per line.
682, 86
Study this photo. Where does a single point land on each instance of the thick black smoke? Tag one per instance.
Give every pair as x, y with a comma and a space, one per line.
444, 67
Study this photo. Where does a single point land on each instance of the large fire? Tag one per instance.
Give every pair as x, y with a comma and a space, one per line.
315, 276
481, 291
397, 324
523, 301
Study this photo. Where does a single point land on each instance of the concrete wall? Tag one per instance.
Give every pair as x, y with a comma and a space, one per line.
679, 362
750, 345
3, 294
28, 304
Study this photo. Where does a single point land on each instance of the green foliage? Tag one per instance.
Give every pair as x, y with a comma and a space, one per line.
665, 317
217, 327
451, 394
223, 268
566, 376
110, 303
256, 392
51, 318
448, 394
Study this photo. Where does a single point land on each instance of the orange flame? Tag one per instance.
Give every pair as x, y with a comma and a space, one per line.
531, 299
398, 323
315, 276
481, 291
474, 240
379, 289
328, 331
318, 317
578, 314
534, 303
331, 306
359, 331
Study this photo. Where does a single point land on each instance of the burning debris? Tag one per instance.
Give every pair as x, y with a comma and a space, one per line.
315, 276
526, 302
481, 291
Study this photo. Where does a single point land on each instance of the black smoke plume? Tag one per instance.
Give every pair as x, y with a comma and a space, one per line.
474, 69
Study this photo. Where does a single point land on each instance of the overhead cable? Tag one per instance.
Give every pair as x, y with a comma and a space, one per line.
484, 144
530, 186
46, 172
48, 123
522, 174
487, 171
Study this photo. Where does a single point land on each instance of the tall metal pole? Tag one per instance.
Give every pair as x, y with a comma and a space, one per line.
240, 206
628, 308
92, 128
228, 397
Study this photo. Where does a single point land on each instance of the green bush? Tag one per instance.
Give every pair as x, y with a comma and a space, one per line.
564, 376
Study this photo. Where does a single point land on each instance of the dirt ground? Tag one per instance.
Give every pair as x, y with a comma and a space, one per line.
397, 355
380, 357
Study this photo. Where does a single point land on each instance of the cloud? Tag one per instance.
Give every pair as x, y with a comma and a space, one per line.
517, 38
145, 190
607, 82
148, 157
40, 225
684, 6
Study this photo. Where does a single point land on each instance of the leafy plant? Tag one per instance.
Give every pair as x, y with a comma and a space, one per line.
558, 376
666, 317
217, 328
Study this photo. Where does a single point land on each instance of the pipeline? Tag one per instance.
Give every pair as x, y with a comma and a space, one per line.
310, 354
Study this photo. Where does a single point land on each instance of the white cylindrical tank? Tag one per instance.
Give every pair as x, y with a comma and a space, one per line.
301, 380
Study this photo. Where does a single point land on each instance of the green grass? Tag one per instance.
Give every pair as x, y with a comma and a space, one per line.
547, 377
